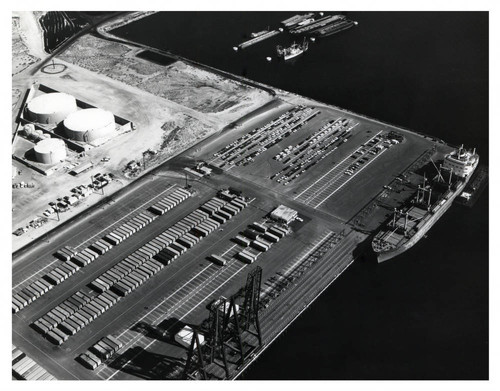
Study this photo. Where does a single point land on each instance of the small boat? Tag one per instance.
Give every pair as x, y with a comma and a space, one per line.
293, 51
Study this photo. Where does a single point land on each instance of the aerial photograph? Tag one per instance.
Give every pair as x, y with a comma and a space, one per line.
250, 195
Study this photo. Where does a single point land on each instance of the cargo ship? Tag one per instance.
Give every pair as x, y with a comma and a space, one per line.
296, 19
412, 222
293, 51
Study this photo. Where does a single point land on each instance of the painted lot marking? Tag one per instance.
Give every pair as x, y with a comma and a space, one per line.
335, 167
182, 317
128, 214
350, 178
89, 239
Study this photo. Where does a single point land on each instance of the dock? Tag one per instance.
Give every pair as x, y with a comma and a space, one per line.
317, 24
296, 19
260, 38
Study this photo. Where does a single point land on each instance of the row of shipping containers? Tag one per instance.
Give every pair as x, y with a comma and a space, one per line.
73, 314
101, 351
171, 201
132, 272
25, 368
256, 239
129, 228
74, 260
165, 248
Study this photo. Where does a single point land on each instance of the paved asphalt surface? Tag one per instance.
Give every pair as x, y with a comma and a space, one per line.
180, 292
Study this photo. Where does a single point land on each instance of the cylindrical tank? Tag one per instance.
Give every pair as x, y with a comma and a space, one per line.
50, 108
50, 151
89, 124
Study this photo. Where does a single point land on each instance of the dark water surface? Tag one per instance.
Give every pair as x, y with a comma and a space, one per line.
423, 315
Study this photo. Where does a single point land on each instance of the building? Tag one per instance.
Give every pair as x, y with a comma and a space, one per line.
284, 214
185, 335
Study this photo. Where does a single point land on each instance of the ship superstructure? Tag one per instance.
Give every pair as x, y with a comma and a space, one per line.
461, 162
293, 51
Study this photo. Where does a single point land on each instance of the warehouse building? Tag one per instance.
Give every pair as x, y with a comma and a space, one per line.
284, 214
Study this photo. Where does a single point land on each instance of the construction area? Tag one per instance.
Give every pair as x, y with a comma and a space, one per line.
190, 274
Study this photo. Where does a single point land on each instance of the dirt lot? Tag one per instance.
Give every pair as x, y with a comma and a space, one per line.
179, 82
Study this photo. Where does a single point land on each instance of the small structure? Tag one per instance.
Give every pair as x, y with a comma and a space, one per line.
284, 214
50, 151
185, 335
81, 168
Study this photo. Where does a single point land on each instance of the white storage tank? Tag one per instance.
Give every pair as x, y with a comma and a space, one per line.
50, 151
89, 124
50, 108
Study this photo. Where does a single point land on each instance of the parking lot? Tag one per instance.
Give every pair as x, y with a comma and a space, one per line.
246, 148
342, 173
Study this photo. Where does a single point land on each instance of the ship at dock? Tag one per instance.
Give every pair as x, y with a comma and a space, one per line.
294, 20
316, 24
293, 51
259, 33
409, 224
257, 37
337, 26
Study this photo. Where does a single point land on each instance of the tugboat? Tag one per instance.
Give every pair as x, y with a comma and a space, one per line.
411, 223
293, 51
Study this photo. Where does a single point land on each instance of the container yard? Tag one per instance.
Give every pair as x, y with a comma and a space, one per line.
194, 268
164, 257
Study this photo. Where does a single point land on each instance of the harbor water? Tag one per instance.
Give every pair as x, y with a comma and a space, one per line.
424, 314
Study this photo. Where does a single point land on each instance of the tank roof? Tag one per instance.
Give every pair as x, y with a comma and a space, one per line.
49, 145
88, 119
52, 103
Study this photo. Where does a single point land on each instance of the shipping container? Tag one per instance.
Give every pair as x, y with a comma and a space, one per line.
45, 283
218, 260
251, 234
87, 362
82, 318
220, 219
179, 247
68, 328
100, 352
245, 258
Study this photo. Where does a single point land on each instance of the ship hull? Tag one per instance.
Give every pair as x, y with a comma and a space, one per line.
335, 30
386, 255
286, 58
